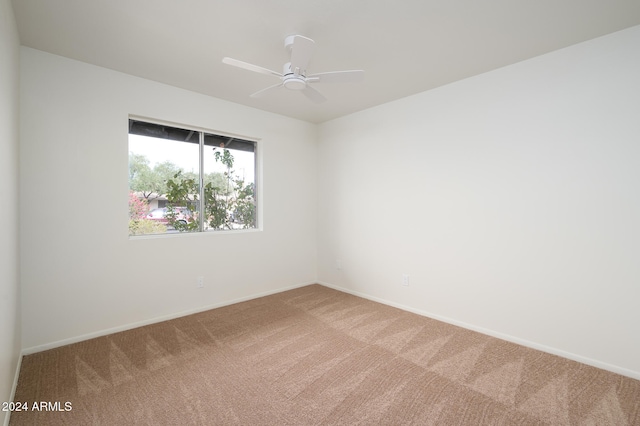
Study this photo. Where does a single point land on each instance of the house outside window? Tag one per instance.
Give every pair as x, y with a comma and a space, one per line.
188, 180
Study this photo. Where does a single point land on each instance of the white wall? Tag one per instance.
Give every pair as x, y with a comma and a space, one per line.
511, 199
80, 272
9, 290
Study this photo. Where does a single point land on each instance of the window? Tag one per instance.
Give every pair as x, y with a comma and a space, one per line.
186, 180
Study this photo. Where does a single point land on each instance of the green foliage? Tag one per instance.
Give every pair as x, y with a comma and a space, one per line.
146, 180
182, 193
138, 164
245, 209
138, 225
145, 226
217, 180
225, 158
228, 201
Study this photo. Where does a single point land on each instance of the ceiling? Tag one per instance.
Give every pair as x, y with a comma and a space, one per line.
404, 46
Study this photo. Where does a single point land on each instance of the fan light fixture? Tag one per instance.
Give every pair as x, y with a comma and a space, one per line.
294, 83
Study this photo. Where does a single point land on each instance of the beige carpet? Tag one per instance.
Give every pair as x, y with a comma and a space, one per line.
315, 356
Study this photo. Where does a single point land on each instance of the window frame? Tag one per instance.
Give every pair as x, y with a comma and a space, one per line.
257, 161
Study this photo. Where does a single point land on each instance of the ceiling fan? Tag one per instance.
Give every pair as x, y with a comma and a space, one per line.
294, 73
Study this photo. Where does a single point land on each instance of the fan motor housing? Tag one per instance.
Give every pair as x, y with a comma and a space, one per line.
292, 80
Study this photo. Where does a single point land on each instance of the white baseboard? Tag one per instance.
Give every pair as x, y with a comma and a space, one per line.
100, 333
488, 332
533, 345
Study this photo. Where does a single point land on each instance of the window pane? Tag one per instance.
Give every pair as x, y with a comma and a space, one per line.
155, 163
229, 179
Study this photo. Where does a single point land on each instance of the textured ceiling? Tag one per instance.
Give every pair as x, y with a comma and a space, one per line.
405, 46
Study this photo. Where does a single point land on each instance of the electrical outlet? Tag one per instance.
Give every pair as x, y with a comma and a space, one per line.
338, 264
405, 279
200, 282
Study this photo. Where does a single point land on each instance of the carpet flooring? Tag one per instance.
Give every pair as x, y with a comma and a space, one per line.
314, 356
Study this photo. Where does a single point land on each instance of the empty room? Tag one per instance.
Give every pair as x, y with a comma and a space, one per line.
318, 212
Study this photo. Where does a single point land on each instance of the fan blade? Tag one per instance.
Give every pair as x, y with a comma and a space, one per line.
351, 76
250, 67
259, 93
314, 95
301, 52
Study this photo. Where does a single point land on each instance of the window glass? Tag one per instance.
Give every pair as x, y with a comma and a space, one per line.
166, 168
